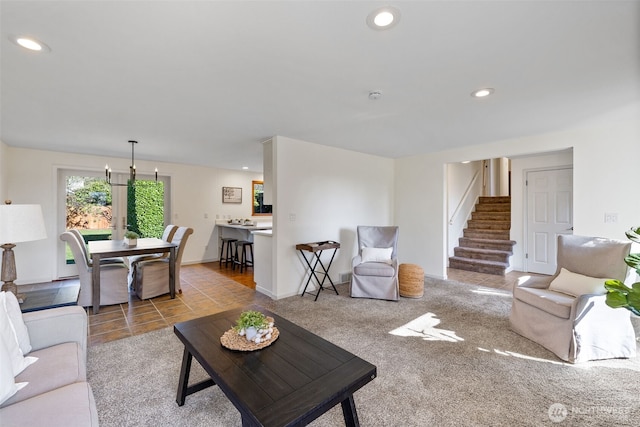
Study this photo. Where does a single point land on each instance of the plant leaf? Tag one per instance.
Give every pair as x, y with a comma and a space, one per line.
633, 234
614, 285
616, 300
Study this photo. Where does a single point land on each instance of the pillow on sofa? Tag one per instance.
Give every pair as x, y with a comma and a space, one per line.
15, 317
576, 284
377, 255
8, 387
8, 336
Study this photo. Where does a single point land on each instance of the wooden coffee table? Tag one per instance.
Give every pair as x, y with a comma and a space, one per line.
293, 381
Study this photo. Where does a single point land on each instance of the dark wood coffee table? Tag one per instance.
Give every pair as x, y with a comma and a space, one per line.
292, 382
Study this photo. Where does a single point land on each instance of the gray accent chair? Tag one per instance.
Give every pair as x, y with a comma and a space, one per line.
113, 277
378, 280
576, 328
152, 276
167, 236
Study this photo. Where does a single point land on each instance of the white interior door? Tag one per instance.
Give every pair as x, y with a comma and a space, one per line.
549, 213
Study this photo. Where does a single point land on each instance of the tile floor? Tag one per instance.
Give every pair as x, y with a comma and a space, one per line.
208, 289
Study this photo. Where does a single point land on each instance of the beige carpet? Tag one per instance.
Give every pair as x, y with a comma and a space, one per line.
447, 359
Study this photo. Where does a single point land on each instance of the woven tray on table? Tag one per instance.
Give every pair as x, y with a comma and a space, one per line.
233, 341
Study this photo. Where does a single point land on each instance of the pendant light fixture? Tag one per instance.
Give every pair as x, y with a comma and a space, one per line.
132, 168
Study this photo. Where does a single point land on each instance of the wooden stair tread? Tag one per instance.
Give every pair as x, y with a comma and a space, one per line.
486, 251
480, 261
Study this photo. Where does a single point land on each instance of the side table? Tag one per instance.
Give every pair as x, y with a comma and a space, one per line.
316, 249
43, 299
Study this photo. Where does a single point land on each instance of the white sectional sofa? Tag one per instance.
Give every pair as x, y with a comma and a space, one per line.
58, 393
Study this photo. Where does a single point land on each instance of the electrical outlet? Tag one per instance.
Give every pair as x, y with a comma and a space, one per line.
610, 217
292, 217
206, 215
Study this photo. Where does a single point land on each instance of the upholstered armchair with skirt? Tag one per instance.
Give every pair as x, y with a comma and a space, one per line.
152, 276
375, 268
134, 260
113, 276
566, 313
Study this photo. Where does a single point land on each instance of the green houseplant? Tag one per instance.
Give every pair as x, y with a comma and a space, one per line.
131, 238
620, 295
254, 325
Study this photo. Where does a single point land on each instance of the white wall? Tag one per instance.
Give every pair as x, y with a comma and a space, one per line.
3, 172
324, 193
196, 191
605, 153
464, 186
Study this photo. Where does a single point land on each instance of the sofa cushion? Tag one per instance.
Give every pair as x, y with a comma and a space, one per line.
555, 303
8, 336
71, 405
57, 366
374, 269
15, 317
577, 284
8, 386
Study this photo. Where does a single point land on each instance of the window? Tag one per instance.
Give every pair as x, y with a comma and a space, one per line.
258, 207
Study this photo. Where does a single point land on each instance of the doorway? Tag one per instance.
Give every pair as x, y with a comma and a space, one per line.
99, 210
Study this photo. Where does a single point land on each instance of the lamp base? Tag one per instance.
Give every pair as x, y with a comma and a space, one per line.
8, 273
11, 287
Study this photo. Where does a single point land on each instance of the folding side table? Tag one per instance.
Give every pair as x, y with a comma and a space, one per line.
316, 249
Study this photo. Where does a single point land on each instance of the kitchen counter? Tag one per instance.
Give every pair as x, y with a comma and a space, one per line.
263, 255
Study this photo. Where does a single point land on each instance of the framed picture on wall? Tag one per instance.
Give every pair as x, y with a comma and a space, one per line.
231, 195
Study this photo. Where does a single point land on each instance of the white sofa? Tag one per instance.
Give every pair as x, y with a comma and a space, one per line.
58, 393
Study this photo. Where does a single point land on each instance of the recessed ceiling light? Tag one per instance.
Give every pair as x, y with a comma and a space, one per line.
245, 168
30, 43
481, 93
383, 18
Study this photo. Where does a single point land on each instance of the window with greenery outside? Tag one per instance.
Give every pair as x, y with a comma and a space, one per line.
145, 208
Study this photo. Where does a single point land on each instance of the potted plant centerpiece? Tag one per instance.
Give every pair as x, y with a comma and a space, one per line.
620, 295
131, 238
254, 326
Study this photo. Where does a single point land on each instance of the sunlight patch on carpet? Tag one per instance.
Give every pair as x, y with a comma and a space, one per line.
524, 356
488, 291
425, 327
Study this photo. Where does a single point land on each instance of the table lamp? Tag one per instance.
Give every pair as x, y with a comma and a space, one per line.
18, 223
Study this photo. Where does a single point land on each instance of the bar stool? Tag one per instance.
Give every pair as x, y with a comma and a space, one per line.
240, 257
226, 241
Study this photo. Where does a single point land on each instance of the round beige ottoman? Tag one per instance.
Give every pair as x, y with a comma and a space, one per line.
411, 278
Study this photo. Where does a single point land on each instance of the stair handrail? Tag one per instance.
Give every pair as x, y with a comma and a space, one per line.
464, 197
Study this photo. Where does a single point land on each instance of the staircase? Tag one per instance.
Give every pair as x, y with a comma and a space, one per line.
485, 246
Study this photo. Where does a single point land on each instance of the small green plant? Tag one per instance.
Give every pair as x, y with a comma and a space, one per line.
620, 295
251, 318
131, 235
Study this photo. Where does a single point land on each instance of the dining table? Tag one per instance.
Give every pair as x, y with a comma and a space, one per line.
118, 248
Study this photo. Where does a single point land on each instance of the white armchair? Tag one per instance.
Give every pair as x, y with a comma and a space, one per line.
566, 313
375, 268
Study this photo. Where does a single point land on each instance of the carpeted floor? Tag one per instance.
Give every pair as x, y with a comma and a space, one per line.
447, 359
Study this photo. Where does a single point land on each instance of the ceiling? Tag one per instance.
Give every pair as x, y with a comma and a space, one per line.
205, 82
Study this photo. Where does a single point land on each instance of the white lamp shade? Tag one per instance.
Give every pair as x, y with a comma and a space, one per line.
21, 223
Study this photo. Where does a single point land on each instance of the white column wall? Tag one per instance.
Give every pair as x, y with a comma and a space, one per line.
324, 193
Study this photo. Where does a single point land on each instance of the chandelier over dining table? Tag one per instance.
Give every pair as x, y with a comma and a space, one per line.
132, 168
